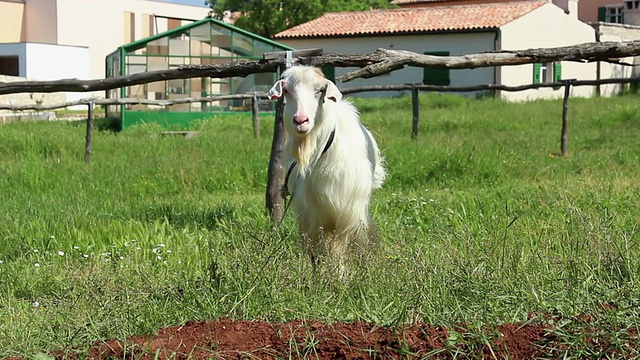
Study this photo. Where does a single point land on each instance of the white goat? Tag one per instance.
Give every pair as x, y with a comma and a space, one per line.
334, 165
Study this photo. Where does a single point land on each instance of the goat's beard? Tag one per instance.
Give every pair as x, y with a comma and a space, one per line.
303, 149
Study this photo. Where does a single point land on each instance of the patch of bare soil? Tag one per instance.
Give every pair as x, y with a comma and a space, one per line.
235, 339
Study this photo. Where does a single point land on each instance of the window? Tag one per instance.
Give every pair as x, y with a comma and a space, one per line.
632, 4
9, 65
547, 72
611, 14
436, 76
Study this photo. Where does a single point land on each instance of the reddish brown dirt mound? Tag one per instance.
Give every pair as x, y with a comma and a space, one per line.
233, 339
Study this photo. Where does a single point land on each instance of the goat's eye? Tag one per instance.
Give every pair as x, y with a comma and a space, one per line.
285, 91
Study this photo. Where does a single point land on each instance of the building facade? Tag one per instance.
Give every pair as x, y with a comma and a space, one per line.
56, 39
460, 29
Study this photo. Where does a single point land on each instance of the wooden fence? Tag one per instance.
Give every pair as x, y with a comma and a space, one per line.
413, 88
373, 64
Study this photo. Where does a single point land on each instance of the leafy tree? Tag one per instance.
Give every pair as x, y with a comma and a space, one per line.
269, 17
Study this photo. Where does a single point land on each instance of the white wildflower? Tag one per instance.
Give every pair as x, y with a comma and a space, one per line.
61, 253
36, 265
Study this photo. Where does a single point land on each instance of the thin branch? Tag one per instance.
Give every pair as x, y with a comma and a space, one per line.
488, 86
345, 91
130, 101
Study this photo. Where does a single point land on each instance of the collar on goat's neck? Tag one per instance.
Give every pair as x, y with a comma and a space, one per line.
329, 141
304, 161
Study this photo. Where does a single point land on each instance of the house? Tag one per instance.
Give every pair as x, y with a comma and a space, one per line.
56, 39
588, 10
458, 27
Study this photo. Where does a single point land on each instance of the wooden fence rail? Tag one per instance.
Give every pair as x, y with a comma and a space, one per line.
373, 64
255, 96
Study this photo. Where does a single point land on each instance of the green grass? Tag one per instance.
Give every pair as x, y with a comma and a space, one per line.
481, 222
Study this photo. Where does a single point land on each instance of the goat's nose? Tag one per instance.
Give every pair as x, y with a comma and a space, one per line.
300, 119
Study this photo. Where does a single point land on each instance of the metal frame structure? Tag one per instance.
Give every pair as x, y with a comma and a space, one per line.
208, 41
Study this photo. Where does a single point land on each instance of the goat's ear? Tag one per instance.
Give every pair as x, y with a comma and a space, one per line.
332, 92
276, 90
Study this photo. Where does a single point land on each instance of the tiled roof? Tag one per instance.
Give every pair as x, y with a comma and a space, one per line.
402, 2
412, 20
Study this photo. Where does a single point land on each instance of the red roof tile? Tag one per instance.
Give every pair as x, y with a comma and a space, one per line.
412, 20
402, 2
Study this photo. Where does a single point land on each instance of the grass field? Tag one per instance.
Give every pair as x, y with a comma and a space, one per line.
481, 222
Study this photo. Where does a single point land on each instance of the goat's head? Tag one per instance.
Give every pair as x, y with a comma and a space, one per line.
305, 89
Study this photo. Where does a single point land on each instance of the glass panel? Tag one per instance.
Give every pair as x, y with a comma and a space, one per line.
178, 86
157, 90
260, 48
242, 45
264, 81
179, 45
201, 33
158, 63
220, 41
136, 59
178, 60
136, 69
158, 47
136, 91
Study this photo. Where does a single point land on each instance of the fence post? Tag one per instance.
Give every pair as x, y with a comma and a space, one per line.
415, 102
255, 117
565, 117
89, 136
275, 173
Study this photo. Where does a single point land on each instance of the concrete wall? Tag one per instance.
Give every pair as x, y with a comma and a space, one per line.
456, 44
11, 24
41, 19
617, 32
27, 98
559, 29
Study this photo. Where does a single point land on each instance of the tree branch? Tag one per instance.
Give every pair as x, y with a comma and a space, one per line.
587, 52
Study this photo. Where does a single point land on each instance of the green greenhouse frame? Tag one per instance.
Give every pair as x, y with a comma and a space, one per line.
208, 41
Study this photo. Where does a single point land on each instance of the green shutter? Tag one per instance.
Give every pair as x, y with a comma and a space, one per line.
536, 73
329, 72
436, 76
602, 14
557, 71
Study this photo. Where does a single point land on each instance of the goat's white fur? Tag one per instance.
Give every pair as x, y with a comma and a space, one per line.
331, 191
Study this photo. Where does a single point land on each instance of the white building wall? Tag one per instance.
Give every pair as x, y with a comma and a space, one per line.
99, 24
547, 26
456, 44
55, 62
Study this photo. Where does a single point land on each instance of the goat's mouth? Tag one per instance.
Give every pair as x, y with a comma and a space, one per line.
302, 127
